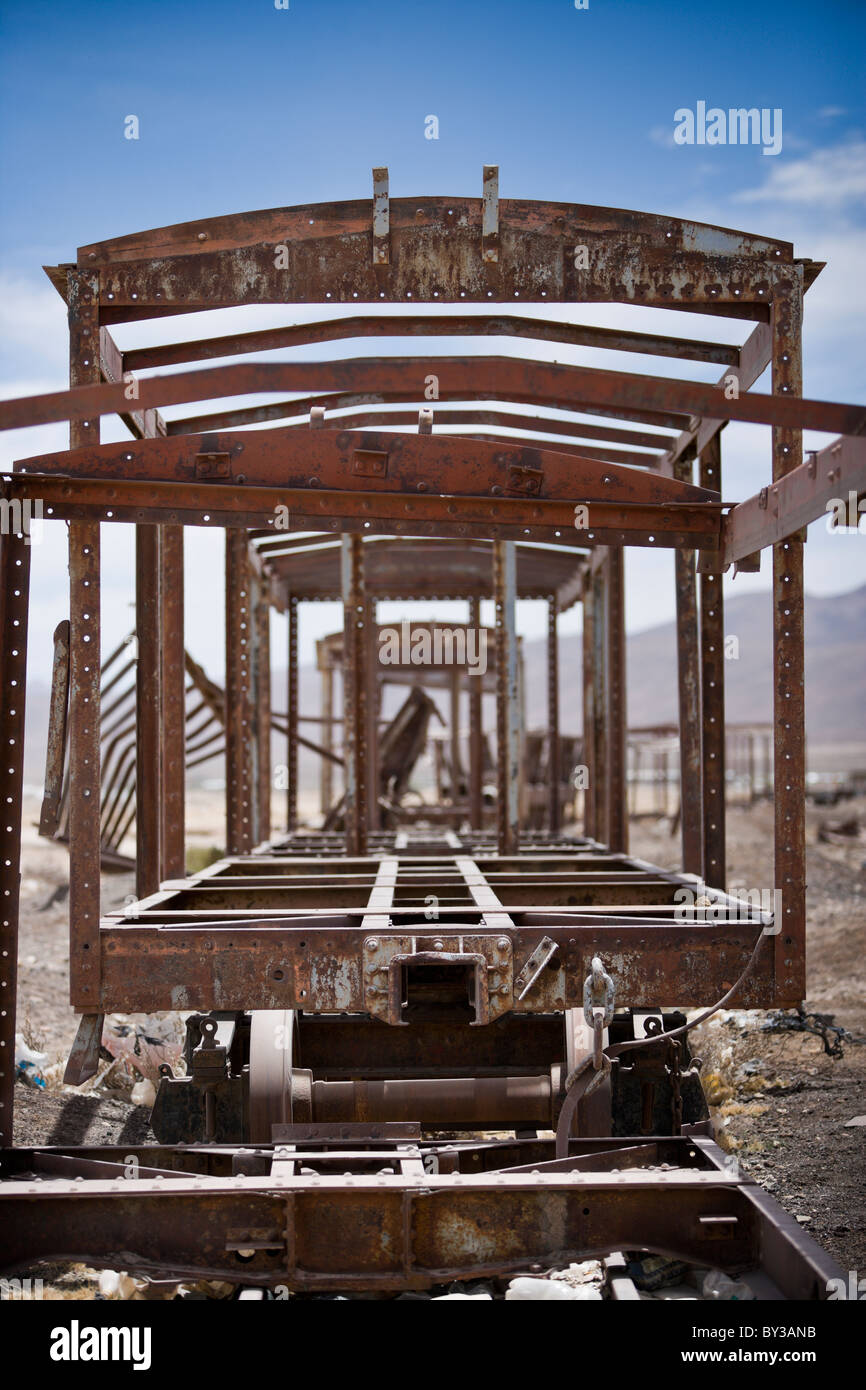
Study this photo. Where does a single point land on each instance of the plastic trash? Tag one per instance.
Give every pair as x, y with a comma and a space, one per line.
526, 1290
718, 1285
29, 1064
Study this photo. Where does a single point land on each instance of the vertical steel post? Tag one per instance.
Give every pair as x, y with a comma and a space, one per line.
373, 705
617, 801
789, 709
588, 754
712, 621
14, 595
354, 693
173, 703
600, 778
148, 757
239, 709
262, 687
454, 730
84, 664
327, 772
507, 698
476, 732
292, 726
553, 756
689, 694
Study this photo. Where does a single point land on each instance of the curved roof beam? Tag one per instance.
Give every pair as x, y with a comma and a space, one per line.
429, 326
438, 249
539, 383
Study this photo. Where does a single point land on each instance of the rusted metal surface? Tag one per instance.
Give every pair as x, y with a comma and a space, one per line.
84, 662
173, 741
712, 629
149, 753
663, 401
689, 695
239, 716
507, 707
14, 594
554, 804
617, 800
327, 1232
55, 756
292, 723
476, 733
789, 693
354, 694
678, 524
261, 667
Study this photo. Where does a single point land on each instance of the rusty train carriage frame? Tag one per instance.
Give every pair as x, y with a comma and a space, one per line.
517, 477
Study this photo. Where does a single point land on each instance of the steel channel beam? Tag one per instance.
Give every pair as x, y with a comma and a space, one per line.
14, 611
588, 753
689, 699
229, 962
239, 719
789, 717
507, 699
372, 712
599, 778
712, 631
84, 679
830, 476
476, 735
617, 795
148, 753
554, 808
262, 697
676, 524
354, 693
391, 1231
173, 701
293, 694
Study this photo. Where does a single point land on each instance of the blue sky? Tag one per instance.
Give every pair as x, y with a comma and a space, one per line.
242, 106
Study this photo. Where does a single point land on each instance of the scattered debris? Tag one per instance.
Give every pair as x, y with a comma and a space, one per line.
651, 1272
822, 1025
29, 1064
144, 1042
831, 831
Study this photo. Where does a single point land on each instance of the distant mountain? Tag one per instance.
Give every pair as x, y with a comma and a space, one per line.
835, 669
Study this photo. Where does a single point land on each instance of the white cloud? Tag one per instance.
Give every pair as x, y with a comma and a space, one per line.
826, 177
33, 321
663, 135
